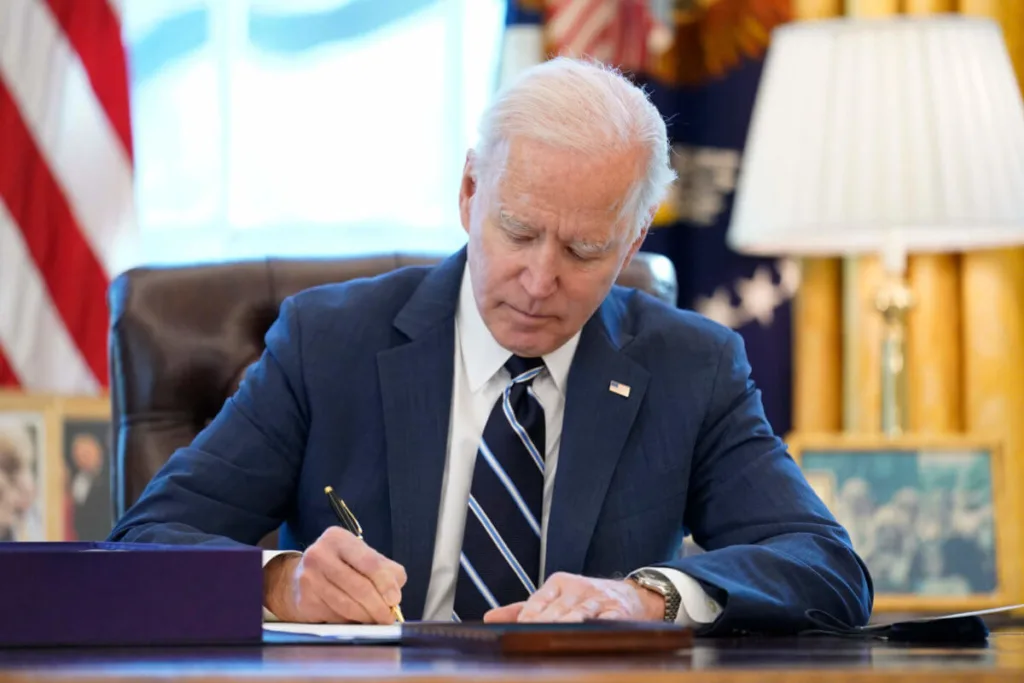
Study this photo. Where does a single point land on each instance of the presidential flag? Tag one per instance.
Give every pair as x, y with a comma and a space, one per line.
705, 85
700, 60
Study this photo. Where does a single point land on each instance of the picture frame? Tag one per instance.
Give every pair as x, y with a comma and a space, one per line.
929, 515
85, 450
31, 474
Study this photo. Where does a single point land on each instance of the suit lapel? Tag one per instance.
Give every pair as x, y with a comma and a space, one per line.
596, 424
416, 389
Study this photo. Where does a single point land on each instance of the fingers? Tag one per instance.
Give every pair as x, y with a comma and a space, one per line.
506, 614
387, 576
615, 614
320, 602
353, 581
321, 579
396, 573
540, 605
353, 586
572, 604
566, 597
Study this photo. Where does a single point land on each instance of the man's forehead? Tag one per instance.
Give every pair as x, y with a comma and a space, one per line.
566, 181
525, 216
524, 206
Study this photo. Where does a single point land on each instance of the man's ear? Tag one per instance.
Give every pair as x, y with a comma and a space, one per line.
467, 189
639, 240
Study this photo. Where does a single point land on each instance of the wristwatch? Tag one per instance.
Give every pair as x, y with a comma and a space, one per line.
654, 580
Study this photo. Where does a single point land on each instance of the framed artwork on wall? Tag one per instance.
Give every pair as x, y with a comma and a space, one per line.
85, 449
929, 515
30, 472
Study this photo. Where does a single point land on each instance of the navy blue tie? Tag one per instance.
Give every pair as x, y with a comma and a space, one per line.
500, 560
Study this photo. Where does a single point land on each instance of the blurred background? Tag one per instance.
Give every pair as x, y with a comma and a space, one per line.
850, 199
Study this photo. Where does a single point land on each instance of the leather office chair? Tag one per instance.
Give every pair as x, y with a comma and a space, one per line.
182, 337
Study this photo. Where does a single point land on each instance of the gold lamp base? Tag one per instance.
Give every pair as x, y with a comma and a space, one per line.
893, 301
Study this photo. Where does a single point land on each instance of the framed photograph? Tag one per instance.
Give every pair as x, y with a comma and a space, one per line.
929, 515
86, 449
30, 472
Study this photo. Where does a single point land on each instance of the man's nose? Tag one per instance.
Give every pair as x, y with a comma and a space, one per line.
540, 277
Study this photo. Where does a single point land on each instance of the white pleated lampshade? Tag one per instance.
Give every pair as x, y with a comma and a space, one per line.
906, 131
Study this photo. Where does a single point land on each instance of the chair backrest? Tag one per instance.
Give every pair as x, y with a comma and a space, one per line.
182, 337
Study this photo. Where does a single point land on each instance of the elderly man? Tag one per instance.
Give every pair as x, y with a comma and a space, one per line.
518, 439
17, 481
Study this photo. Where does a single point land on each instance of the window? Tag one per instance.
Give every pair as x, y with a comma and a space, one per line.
304, 127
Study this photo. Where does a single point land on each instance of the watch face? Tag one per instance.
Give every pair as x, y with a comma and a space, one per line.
655, 580
660, 584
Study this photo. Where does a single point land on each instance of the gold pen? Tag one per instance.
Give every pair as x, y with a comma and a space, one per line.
350, 522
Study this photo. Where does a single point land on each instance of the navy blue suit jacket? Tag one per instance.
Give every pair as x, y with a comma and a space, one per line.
354, 391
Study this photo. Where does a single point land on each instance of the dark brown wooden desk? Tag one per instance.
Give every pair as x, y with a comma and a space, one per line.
811, 660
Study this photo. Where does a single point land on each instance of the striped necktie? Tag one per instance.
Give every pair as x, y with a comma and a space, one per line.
500, 559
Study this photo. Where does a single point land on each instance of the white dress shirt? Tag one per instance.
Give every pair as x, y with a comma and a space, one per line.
480, 378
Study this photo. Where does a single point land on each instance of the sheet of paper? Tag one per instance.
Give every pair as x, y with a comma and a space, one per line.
981, 612
352, 633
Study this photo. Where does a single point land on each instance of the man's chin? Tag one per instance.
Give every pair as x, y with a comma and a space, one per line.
528, 344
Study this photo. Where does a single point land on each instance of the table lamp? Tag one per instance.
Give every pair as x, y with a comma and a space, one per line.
883, 136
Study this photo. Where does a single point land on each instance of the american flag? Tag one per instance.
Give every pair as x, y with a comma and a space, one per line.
66, 195
616, 32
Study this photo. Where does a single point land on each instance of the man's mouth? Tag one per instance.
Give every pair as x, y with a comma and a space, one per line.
531, 316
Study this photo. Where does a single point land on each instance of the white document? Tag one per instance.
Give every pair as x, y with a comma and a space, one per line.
352, 633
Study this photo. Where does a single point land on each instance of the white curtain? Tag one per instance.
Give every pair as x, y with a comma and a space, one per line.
304, 127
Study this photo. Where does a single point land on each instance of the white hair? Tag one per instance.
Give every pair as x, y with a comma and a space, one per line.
585, 107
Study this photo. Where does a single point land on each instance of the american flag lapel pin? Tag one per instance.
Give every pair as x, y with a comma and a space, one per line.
619, 388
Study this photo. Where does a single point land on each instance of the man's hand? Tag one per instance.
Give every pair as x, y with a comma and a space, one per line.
569, 597
338, 579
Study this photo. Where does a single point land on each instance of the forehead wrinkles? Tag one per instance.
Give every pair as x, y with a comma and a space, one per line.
561, 197
534, 207
576, 225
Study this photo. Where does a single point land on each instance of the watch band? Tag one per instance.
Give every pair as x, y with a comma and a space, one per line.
654, 580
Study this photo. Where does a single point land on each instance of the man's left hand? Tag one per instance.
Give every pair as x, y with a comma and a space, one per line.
569, 597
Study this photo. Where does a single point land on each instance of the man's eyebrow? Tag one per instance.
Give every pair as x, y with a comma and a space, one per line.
591, 247
507, 220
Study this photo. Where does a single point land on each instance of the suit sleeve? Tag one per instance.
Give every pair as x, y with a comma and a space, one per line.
235, 482
773, 549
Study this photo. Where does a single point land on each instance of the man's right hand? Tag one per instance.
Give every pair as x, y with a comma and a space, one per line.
338, 579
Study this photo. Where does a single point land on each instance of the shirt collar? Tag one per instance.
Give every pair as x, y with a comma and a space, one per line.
482, 355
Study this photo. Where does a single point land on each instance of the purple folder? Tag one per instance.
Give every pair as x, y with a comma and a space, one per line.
129, 594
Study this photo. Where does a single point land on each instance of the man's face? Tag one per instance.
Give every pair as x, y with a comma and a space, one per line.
87, 453
545, 241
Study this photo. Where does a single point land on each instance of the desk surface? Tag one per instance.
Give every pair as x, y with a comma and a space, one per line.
814, 660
